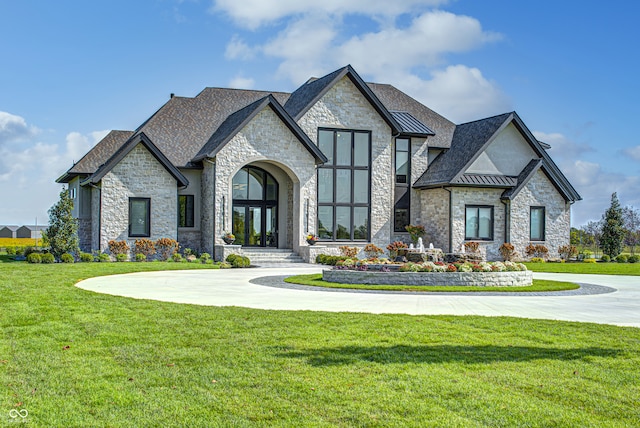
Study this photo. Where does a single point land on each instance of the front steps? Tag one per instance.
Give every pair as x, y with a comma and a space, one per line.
260, 256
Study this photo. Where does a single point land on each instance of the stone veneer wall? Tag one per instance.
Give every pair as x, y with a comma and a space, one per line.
84, 234
265, 138
139, 174
477, 279
435, 217
344, 106
461, 197
207, 186
96, 206
539, 191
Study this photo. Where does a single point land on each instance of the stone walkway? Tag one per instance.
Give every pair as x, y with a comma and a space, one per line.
254, 288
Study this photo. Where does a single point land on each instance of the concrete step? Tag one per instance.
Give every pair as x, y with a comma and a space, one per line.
271, 255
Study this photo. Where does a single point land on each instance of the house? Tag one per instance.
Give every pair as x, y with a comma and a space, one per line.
8, 231
349, 161
30, 231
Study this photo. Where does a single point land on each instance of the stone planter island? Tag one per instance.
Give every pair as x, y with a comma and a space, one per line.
507, 278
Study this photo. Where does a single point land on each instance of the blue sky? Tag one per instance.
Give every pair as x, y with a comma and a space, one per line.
71, 70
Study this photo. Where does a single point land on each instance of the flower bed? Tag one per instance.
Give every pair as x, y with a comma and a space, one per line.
481, 274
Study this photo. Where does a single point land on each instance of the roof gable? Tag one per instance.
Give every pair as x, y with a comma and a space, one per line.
238, 120
303, 98
139, 138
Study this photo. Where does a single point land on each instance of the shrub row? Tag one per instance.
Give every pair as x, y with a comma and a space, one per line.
326, 259
238, 261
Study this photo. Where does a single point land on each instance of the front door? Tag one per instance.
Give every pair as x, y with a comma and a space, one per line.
255, 202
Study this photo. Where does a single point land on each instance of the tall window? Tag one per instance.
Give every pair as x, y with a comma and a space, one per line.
479, 222
537, 215
401, 209
343, 185
139, 217
185, 210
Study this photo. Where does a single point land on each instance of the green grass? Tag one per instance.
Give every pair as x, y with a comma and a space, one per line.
587, 268
315, 280
74, 358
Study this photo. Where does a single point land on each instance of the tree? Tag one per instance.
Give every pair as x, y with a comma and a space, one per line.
591, 234
612, 229
62, 234
631, 218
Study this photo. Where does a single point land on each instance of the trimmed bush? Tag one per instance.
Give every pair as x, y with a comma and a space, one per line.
104, 257
622, 258
11, 251
590, 260
67, 258
141, 257
224, 265
507, 251
605, 258
177, 258
34, 258
238, 261
86, 257
145, 247
633, 259
166, 248
118, 247
205, 257
122, 257
537, 260
48, 258
326, 259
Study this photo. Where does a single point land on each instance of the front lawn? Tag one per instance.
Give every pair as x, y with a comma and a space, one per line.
75, 358
610, 268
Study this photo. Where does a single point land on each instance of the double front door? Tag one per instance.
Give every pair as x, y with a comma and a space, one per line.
255, 208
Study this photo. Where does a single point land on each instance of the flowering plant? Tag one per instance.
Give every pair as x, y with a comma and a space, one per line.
416, 231
229, 235
311, 237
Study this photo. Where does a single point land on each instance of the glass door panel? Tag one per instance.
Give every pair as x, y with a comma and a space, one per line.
254, 234
239, 222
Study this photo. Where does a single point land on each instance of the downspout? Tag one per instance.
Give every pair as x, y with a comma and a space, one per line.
450, 219
213, 207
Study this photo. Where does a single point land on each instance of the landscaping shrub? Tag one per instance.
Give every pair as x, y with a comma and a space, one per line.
622, 258
19, 251
537, 260
140, 257
11, 251
326, 259
567, 251
103, 257
145, 247
118, 247
372, 251
47, 258
34, 258
394, 247
67, 258
472, 247
507, 251
224, 265
633, 259
349, 252
205, 257
238, 261
166, 248
86, 257
415, 231
605, 258
29, 250
177, 258
122, 257
537, 251
591, 260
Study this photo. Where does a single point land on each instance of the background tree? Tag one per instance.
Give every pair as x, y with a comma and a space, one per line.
591, 233
631, 218
612, 229
62, 234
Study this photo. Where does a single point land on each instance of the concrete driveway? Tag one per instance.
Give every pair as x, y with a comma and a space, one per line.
245, 288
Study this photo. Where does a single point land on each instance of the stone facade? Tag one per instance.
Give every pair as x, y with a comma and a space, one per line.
140, 175
434, 213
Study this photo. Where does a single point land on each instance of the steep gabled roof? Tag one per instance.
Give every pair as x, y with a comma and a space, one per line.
98, 155
411, 127
138, 138
303, 98
238, 120
471, 139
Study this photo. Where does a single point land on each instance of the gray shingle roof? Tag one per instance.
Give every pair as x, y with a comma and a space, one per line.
236, 121
410, 125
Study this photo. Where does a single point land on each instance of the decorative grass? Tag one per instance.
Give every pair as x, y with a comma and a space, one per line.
74, 358
610, 268
315, 280
19, 242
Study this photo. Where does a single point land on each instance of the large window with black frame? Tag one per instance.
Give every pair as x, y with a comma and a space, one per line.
402, 206
344, 185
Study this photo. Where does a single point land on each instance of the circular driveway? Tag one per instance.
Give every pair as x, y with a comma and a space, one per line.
241, 287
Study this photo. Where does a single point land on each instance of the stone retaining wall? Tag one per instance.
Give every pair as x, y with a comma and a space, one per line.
478, 279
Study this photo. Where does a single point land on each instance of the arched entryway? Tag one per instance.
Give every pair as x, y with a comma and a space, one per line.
255, 208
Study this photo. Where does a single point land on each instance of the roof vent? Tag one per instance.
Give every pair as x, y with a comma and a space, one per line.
172, 95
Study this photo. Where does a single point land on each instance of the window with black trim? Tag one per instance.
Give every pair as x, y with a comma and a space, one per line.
537, 223
401, 208
185, 210
478, 222
343, 185
139, 217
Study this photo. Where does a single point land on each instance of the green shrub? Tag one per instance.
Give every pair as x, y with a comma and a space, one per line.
238, 261
622, 258
224, 265
177, 258
34, 258
633, 259
29, 250
231, 258
605, 258
19, 251
47, 258
326, 259
86, 257
122, 257
590, 260
141, 257
67, 258
537, 260
11, 251
205, 257
103, 257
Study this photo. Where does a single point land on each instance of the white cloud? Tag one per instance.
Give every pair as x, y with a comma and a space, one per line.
14, 128
240, 82
238, 49
562, 148
254, 13
633, 152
